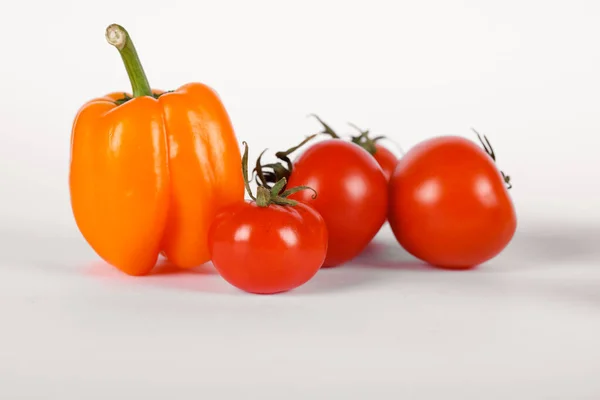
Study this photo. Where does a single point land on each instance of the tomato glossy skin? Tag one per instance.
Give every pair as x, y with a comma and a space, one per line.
352, 195
386, 159
270, 249
449, 205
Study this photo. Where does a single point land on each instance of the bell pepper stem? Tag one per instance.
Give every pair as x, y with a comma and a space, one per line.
117, 36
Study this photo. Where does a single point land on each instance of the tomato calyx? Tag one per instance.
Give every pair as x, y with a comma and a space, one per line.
326, 128
266, 195
490, 151
363, 139
273, 173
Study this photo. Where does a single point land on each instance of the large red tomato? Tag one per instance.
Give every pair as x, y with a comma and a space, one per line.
352, 195
449, 205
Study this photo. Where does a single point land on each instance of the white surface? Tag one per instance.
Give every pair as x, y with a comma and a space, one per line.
525, 326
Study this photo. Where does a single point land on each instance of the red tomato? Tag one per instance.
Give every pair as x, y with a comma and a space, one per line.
449, 205
268, 249
352, 195
386, 159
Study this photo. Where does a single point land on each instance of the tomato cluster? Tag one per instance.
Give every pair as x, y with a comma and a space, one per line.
445, 200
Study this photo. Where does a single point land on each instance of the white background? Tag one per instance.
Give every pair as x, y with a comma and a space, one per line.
524, 326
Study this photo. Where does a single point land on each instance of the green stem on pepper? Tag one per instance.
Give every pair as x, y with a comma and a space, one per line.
118, 37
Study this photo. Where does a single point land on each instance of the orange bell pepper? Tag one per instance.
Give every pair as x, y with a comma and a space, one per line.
149, 172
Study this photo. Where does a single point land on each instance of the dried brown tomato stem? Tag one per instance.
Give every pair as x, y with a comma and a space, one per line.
363, 139
245, 171
487, 146
326, 128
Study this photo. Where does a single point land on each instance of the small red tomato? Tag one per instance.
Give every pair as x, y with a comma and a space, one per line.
352, 195
268, 249
386, 160
449, 205
269, 245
